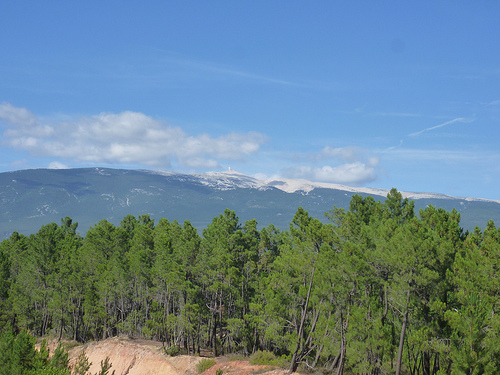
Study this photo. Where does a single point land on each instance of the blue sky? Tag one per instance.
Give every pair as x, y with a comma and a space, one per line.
366, 93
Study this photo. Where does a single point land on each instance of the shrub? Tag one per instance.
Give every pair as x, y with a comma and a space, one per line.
173, 350
204, 365
237, 357
262, 358
268, 358
282, 361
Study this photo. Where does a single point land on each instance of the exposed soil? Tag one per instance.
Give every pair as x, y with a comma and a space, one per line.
146, 357
243, 368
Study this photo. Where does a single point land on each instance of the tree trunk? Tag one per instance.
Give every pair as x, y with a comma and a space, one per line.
335, 361
402, 336
209, 342
436, 364
61, 329
221, 332
256, 340
77, 324
318, 354
214, 334
386, 305
343, 329
295, 360
426, 363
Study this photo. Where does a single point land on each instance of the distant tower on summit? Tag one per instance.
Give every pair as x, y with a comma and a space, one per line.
229, 168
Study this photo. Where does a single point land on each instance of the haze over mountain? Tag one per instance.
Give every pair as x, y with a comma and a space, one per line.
32, 198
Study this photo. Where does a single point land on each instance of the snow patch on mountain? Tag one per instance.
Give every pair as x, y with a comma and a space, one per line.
230, 180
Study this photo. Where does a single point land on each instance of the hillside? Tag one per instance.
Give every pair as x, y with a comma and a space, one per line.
32, 198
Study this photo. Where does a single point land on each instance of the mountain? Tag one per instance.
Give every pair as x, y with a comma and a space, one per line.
32, 198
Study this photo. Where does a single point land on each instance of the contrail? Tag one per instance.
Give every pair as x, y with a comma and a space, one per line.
459, 119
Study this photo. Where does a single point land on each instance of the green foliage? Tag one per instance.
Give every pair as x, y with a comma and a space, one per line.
105, 367
266, 358
50, 371
204, 365
262, 358
173, 350
82, 365
24, 355
60, 358
7, 340
19, 356
376, 290
474, 323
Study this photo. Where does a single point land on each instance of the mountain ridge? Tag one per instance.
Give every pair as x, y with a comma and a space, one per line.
292, 185
35, 197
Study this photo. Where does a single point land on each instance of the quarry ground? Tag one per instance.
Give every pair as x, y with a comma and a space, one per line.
145, 357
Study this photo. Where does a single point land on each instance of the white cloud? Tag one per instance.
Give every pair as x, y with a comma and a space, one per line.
355, 166
127, 137
57, 165
351, 173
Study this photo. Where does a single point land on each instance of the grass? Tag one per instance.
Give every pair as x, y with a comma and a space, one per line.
262, 370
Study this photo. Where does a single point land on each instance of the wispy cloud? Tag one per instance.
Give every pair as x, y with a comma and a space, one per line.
169, 57
18, 116
127, 137
493, 103
349, 154
437, 155
397, 114
211, 67
156, 67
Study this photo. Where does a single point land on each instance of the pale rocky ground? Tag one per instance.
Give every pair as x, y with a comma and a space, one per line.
145, 357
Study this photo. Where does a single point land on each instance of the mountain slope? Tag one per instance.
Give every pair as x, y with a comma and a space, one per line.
32, 198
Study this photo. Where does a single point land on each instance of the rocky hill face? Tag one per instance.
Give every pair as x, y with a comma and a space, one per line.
32, 198
134, 357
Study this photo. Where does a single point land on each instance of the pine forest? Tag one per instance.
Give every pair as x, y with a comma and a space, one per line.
375, 289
